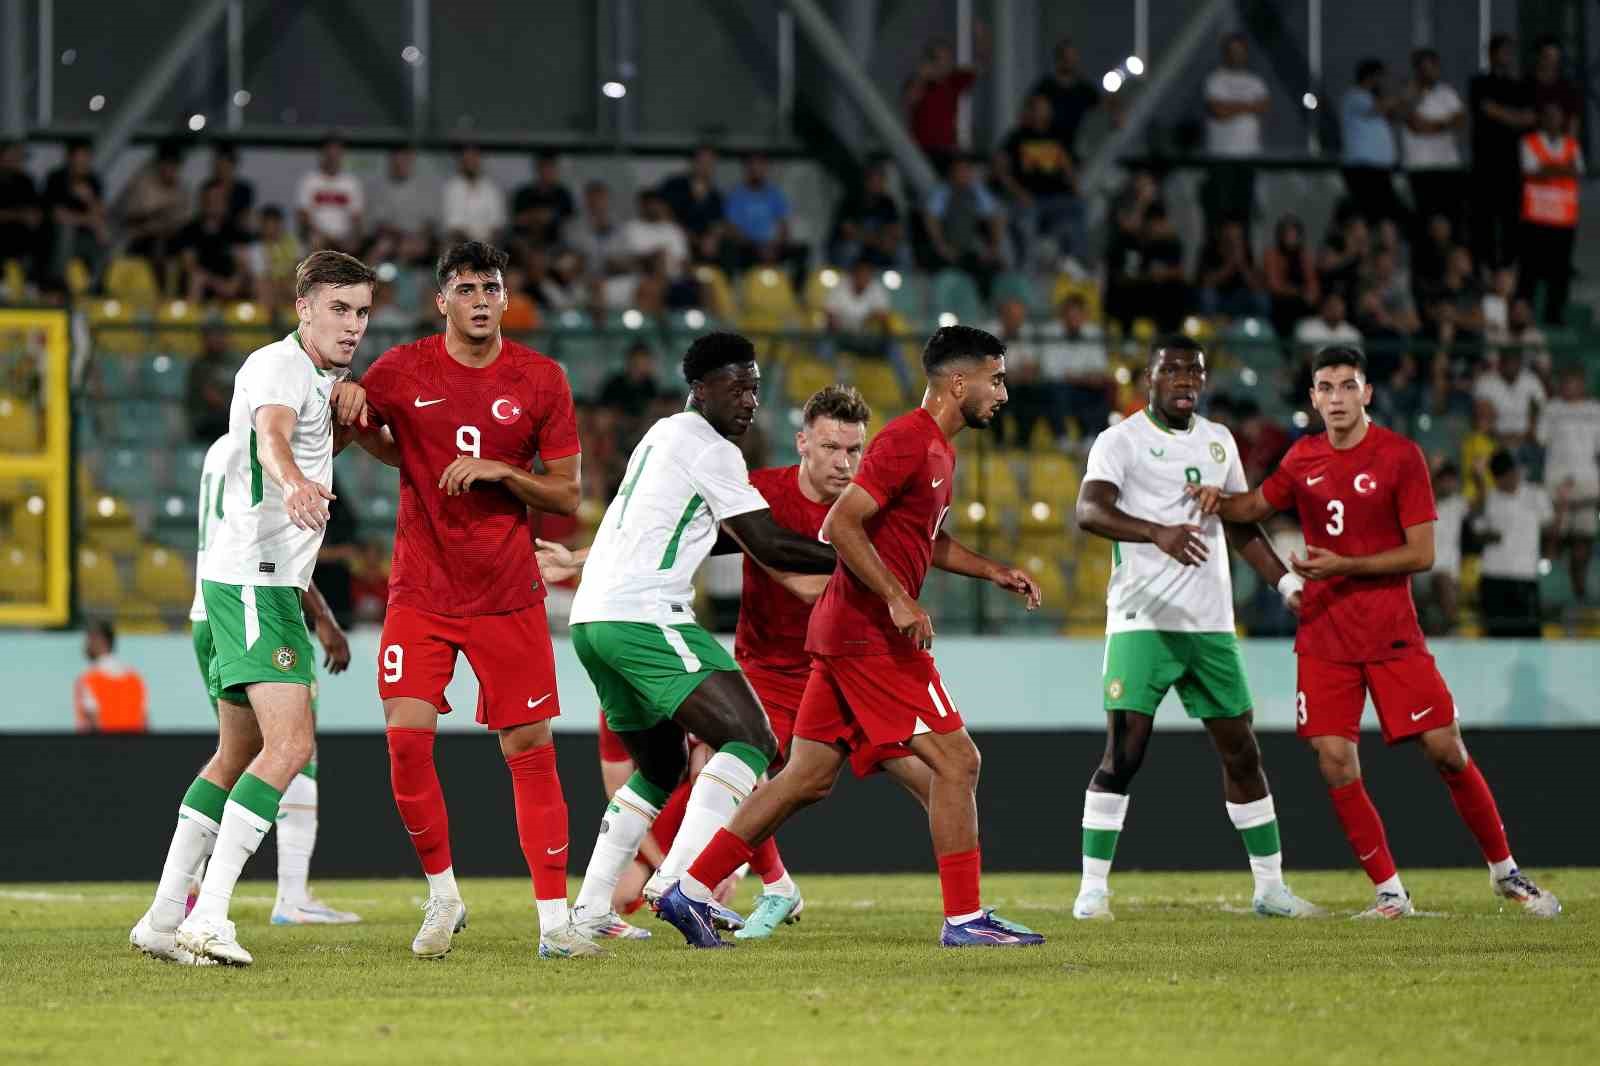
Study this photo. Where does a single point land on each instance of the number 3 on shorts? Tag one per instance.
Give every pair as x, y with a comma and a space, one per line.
1299, 705
394, 666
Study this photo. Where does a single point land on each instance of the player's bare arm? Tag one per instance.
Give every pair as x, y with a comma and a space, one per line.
376, 441
846, 529
951, 555
1098, 513
1415, 556
349, 402
1240, 507
556, 491
305, 500
329, 633
807, 588
557, 562
773, 546
1252, 545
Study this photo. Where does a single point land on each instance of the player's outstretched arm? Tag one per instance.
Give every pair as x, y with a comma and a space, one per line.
1098, 513
1413, 557
329, 633
555, 491
376, 441
1251, 543
951, 555
306, 501
557, 562
846, 529
777, 548
1242, 507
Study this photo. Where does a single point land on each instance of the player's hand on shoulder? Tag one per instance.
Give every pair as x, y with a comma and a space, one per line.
466, 471
334, 643
1014, 579
1319, 564
1184, 543
306, 503
349, 401
1207, 497
912, 621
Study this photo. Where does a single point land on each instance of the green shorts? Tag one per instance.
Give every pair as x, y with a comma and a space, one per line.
642, 672
205, 657
258, 633
1207, 669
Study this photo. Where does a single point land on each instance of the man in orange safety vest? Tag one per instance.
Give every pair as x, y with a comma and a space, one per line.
1551, 165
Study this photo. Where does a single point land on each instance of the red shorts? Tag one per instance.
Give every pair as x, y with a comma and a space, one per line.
781, 692
510, 654
1409, 694
873, 705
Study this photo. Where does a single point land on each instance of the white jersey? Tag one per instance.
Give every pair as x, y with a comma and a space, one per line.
213, 476
682, 480
254, 543
1151, 465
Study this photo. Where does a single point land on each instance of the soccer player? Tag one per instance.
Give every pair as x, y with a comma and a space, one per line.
297, 811
657, 673
468, 412
1365, 505
259, 558
873, 691
1169, 618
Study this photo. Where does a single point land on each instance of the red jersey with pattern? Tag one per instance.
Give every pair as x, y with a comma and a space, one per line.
469, 554
1359, 501
773, 620
908, 470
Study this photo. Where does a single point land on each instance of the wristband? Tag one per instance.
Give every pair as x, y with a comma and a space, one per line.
1289, 584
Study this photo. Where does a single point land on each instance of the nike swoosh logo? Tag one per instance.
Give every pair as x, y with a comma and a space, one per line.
534, 703
417, 832
420, 402
1158, 454
938, 481
1420, 713
555, 851
1368, 855
1314, 480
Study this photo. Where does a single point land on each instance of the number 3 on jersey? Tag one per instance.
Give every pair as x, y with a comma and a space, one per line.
1336, 517
467, 441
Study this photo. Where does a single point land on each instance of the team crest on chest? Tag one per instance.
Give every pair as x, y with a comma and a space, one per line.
505, 410
1365, 484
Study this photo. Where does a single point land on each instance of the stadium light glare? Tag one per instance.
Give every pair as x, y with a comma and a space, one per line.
387, 272
1114, 418
829, 278
633, 318
106, 507
197, 123
36, 505
1424, 422
1301, 420
892, 280
97, 102
1135, 65
1545, 567
694, 318
247, 311
174, 506
1123, 375
1040, 510
411, 54
948, 318
1249, 377
1112, 81
161, 364
69, 57
242, 98
614, 89
1309, 101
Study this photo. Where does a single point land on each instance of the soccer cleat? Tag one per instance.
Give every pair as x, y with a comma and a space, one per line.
311, 912
1390, 905
691, 918
1519, 887
655, 888
988, 931
609, 926
568, 942
771, 911
725, 917
442, 919
1093, 904
158, 945
214, 938
1278, 902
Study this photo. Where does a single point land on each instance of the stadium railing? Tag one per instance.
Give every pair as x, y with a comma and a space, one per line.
36, 504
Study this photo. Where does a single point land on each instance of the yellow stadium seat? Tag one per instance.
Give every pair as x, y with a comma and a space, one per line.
115, 326
14, 279
161, 575
1047, 572
990, 479
1053, 477
716, 290
28, 521
1040, 518
139, 616
879, 384
19, 426
78, 278
132, 280
108, 524
99, 584
22, 575
766, 291
178, 328
819, 284
974, 516
803, 376
1086, 289
249, 326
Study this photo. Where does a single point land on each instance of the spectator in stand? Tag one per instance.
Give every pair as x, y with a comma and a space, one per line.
932, 95
1262, 440
21, 211
1570, 431
1453, 305
522, 314
1071, 96
867, 225
1497, 301
1076, 371
1291, 275
1365, 115
1123, 260
1516, 395
1527, 337
238, 194
1433, 114
79, 226
1236, 98
631, 393
1029, 400
859, 304
1552, 163
1477, 448
597, 237
758, 221
405, 200
1439, 590
1385, 308
1502, 111
654, 232
208, 391
1342, 258
330, 201
1230, 283
1163, 290
965, 226
212, 250
697, 204
1548, 85
1431, 253
277, 254
1327, 328
1515, 515
154, 206
474, 205
1040, 180
108, 697
542, 207
562, 287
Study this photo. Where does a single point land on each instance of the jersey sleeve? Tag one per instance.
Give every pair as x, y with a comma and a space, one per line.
1278, 488
1233, 480
1107, 460
380, 383
1413, 498
276, 376
558, 432
723, 482
892, 460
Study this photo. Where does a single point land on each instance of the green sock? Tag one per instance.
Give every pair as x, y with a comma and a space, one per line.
1257, 822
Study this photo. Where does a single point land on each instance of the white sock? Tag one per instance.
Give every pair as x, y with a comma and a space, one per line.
627, 819
1392, 885
963, 919
725, 783
1104, 812
297, 838
191, 845
1504, 868
442, 885
553, 915
783, 886
1267, 866
240, 834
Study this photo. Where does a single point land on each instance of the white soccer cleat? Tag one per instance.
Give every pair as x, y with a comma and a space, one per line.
442, 918
158, 945
1389, 905
1278, 902
1520, 888
568, 942
214, 938
311, 911
1093, 905
655, 888
609, 926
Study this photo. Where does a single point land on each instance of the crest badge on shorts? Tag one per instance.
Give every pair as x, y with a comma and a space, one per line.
284, 658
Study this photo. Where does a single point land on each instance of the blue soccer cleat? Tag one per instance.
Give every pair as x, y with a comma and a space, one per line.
989, 931
691, 918
725, 917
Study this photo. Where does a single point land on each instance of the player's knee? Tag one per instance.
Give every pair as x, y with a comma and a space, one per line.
1338, 768
961, 766
1242, 763
297, 751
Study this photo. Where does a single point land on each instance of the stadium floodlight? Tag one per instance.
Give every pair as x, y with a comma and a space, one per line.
36, 505
948, 318
614, 89
69, 57
197, 123
106, 507
1248, 377
633, 318
1309, 101
892, 280
1301, 420
694, 318
411, 54
829, 277
1040, 510
1123, 375
1135, 65
242, 98
1112, 81
97, 102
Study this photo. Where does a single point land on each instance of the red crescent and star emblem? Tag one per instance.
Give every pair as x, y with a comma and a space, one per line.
505, 410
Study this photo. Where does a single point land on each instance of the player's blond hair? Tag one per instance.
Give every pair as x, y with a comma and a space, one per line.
843, 403
330, 268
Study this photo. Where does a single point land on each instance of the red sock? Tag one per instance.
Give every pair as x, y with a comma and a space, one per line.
958, 880
766, 863
1475, 803
1364, 829
724, 854
418, 797
541, 819
665, 828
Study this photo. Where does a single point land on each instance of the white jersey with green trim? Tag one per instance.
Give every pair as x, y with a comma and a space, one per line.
254, 543
682, 480
1151, 464
213, 476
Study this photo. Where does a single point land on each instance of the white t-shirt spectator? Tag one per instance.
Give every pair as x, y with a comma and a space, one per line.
1517, 517
1511, 401
851, 309
1570, 430
473, 206
408, 205
1238, 135
1080, 356
1432, 151
333, 202
1315, 333
1452, 511
645, 239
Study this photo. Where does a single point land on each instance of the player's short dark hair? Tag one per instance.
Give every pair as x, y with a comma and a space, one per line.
331, 268
1501, 463
1175, 342
476, 257
712, 352
103, 628
1340, 355
951, 344
842, 403
1367, 68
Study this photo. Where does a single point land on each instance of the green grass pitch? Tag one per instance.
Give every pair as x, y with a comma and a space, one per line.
1184, 975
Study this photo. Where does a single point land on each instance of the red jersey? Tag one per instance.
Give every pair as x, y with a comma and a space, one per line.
772, 620
1356, 502
908, 470
469, 554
